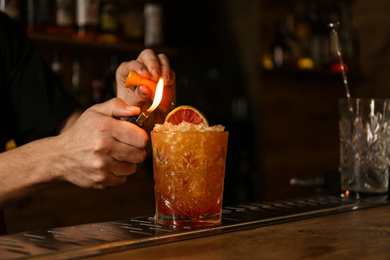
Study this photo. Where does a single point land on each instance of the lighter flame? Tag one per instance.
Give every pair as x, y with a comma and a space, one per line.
157, 96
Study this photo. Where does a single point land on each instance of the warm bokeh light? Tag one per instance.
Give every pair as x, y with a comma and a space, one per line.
336, 68
305, 64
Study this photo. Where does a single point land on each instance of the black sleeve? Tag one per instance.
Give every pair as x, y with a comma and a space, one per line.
33, 99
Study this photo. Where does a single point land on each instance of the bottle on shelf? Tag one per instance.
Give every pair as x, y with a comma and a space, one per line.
306, 38
40, 15
280, 50
30, 14
303, 35
131, 18
87, 18
153, 16
291, 39
45, 14
56, 64
319, 42
109, 24
11, 7
65, 17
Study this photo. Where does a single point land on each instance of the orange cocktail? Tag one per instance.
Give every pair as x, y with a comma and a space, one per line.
189, 172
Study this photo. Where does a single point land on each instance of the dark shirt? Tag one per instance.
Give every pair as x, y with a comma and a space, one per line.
33, 100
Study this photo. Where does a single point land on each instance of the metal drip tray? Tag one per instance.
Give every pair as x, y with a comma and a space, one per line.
105, 237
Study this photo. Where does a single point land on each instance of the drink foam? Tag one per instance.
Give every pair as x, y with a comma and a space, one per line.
187, 127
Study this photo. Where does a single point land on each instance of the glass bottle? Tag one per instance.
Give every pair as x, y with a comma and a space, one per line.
87, 18
153, 15
280, 50
65, 16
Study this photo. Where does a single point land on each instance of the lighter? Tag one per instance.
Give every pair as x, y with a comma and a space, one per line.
139, 120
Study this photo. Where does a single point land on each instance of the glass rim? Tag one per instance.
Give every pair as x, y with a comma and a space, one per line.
189, 132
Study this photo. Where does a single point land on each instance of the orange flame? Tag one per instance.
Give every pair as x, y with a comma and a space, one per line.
157, 96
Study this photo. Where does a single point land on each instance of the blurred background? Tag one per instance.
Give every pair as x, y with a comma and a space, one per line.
266, 69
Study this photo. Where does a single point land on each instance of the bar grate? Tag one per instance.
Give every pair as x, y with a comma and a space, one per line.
105, 237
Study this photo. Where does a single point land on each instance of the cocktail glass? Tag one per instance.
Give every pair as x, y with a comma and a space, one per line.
189, 172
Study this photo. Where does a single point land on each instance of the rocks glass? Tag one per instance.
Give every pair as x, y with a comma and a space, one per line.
364, 146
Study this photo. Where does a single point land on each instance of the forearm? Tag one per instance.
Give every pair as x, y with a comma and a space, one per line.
27, 169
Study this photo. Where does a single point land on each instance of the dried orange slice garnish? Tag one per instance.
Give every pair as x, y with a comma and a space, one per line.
187, 114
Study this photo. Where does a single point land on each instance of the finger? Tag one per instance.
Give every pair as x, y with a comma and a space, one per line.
172, 78
111, 180
152, 62
116, 108
123, 169
144, 93
129, 153
117, 180
105, 178
128, 134
122, 131
169, 95
123, 70
165, 67
139, 94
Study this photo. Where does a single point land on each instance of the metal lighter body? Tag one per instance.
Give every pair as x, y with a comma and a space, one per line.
139, 120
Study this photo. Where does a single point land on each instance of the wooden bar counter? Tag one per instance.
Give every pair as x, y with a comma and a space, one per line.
358, 234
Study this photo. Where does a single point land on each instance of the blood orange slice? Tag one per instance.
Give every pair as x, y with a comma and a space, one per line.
187, 114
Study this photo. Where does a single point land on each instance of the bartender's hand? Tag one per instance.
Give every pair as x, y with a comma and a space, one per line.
151, 66
98, 150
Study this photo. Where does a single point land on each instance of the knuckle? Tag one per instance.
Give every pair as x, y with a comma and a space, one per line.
143, 140
99, 125
115, 101
99, 178
121, 70
99, 164
100, 187
101, 145
135, 156
138, 139
122, 180
132, 168
140, 156
99, 161
163, 58
147, 50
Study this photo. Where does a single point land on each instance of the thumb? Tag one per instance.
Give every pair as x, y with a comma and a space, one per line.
116, 107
